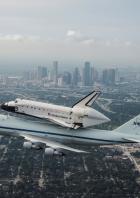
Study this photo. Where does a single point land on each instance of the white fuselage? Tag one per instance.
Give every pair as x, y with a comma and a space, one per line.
64, 116
14, 126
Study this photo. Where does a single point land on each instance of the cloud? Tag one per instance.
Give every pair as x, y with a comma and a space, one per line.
18, 37
128, 43
71, 33
77, 36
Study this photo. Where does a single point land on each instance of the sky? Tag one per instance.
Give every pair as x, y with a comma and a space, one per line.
36, 32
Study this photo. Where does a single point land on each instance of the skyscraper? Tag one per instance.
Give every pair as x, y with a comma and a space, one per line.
87, 74
76, 76
92, 75
109, 76
55, 72
42, 72
67, 78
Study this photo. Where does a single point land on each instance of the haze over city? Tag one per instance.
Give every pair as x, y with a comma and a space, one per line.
69, 98
38, 32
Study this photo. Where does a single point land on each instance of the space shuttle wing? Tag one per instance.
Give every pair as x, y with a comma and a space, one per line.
50, 143
59, 122
62, 123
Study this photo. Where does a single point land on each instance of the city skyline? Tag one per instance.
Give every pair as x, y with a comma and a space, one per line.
36, 32
87, 76
65, 67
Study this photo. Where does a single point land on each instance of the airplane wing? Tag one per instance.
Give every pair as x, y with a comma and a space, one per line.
50, 143
132, 140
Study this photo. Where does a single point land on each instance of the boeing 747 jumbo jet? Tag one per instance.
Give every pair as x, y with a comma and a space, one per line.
81, 115
55, 139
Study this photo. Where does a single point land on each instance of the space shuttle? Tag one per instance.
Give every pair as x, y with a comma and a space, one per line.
80, 115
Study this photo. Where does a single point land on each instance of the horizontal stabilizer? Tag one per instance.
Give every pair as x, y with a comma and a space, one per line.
88, 100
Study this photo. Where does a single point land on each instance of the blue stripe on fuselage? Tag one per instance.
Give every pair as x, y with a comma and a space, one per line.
62, 135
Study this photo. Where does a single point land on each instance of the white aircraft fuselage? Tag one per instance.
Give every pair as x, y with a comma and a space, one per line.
14, 126
81, 115
54, 139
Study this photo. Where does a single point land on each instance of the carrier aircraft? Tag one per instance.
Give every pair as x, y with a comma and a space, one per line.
80, 115
56, 140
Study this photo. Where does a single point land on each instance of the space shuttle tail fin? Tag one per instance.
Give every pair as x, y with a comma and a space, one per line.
88, 100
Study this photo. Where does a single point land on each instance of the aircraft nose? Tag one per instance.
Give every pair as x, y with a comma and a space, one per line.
6, 107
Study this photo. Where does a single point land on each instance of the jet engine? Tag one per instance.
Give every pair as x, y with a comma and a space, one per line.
52, 152
31, 145
27, 145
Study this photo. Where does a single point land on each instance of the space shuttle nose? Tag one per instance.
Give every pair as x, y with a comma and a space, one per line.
6, 107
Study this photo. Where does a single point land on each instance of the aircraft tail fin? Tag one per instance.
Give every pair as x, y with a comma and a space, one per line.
88, 100
130, 127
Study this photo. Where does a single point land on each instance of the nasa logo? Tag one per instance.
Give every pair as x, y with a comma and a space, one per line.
136, 123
